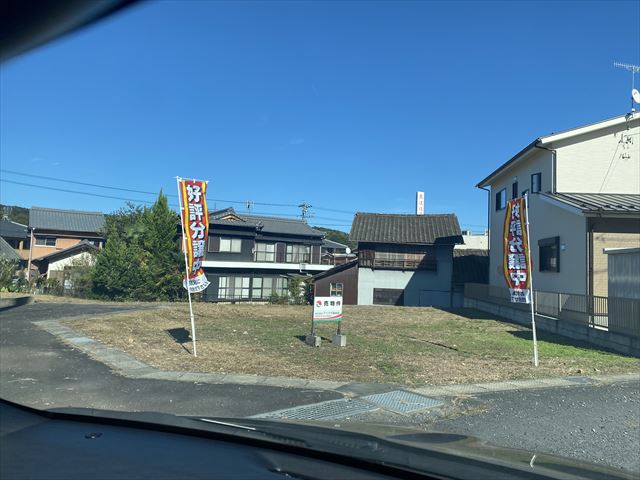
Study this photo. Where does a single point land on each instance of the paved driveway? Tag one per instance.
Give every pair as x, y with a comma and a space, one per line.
39, 370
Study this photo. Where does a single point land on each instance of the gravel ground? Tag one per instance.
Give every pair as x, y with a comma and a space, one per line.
599, 424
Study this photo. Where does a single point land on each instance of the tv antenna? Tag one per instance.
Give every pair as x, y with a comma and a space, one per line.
635, 95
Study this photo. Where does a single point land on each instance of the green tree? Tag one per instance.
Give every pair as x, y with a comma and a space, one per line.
118, 273
7, 271
141, 259
160, 242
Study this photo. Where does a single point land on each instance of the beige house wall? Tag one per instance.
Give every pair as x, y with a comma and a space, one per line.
602, 240
605, 161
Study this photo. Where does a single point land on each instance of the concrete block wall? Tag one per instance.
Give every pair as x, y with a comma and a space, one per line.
616, 342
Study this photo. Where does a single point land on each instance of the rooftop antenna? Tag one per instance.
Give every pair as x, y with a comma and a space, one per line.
304, 210
635, 95
249, 205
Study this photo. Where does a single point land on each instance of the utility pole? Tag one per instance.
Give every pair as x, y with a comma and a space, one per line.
304, 210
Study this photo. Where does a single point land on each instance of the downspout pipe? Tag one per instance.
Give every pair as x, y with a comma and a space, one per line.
553, 165
488, 214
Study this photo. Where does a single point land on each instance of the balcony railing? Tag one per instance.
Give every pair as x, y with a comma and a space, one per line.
406, 264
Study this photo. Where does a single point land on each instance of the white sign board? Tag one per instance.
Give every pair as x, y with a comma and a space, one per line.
420, 203
327, 309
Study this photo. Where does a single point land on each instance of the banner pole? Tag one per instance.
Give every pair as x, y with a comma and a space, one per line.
533, 316
186, 269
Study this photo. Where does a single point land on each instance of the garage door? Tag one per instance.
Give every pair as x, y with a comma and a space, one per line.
388, 296
435, 298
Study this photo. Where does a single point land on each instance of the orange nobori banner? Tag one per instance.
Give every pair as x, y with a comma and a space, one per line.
195, 231
516, 261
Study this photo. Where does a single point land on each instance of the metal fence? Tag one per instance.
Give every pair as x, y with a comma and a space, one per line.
621, 315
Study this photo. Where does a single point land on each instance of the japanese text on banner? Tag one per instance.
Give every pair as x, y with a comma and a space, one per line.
195, 223
516, 252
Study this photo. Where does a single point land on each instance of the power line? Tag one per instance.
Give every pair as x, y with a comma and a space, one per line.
144, 192
89, 194
113, 197
56, 179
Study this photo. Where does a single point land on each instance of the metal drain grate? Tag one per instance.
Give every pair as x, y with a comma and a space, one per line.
401, 401
329, 410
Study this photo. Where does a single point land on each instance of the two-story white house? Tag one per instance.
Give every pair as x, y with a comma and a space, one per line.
583, 187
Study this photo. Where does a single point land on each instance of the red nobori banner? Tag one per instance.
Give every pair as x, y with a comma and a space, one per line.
516, 252
195, 226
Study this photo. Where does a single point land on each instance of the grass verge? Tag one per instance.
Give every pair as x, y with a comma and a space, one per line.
405, 345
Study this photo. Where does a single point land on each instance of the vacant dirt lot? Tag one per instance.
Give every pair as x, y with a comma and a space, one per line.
412, 346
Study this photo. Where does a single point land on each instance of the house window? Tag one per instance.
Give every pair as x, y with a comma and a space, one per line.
514, 190
265, 287
231, 245
536, 182
549, 254
501, 199
335, 289
46, 241
298, 253
233, 288
265, 252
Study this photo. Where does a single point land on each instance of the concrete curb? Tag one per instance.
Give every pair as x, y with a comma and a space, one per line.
130, 367
6, 303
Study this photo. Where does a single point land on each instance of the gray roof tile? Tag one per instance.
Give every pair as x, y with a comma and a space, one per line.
7, 251
600, 202
65, 220
411, 229
265, 224
11, 229
331, 244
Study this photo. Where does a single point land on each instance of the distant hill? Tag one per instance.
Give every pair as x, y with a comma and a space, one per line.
337, 236
15, 214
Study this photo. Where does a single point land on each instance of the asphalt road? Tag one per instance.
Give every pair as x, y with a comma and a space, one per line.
38, 370
596, 423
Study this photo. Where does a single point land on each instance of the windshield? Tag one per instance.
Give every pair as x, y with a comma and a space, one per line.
358, 214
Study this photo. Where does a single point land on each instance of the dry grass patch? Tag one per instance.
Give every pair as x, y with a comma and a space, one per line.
412, 346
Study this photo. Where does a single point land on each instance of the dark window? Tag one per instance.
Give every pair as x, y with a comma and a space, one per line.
388, 296
501, 199
536, 182
46, 241
549, 254
335, 289
514, 190
213, 244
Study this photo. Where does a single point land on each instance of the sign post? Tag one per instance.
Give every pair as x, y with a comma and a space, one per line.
517, 265
194, 219
326, 310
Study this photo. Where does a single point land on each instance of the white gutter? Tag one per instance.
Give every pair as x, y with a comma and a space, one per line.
589, 128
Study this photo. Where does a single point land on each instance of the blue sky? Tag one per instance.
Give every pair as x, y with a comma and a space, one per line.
348, 106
